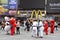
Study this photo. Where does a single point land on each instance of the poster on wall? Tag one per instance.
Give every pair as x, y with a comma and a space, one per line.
4, 7
12, 12
53, 6
12, 4
3, 10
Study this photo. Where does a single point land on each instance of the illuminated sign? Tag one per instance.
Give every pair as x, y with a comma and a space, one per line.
36, 13
12, 4
12, 12
53, 6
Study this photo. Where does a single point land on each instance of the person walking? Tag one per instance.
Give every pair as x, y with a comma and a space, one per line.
7, 27
3, 25
41, 29
46, 27
34, 28
13, 25
28, 25
51, 26
18, 27
56, 25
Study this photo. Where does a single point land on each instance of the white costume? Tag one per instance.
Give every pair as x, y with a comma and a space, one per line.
41, 29
6, 18
34, 30
7, 26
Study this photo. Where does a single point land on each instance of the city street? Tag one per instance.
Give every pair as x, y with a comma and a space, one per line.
27, 36
40, 14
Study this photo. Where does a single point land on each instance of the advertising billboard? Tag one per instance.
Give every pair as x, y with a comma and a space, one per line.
12, 4
53, 6
4, 7
12, 12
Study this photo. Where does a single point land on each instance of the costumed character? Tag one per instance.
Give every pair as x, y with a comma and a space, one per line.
52, 26
41, 29
7, 27
13, 25
46, 27
6, 18
34, 28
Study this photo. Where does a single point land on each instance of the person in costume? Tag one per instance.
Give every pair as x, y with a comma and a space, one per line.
46, 27
51, 26
7, 27
13, 25
41, 29
34, 28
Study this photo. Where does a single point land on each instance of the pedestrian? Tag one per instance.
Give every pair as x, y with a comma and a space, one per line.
56, 25
51, 26
6, 18
3, 25
28, 25
18, 27
34, 28
46, 27
41, 29
31, 23
25, 25
7, 27
13, 25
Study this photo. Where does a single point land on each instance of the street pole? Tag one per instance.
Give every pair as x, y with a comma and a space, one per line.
16, 8
45, 5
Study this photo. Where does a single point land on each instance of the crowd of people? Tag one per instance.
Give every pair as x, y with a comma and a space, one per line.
38, 27
10, 24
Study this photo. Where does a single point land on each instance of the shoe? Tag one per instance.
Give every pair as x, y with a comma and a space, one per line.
41, 37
